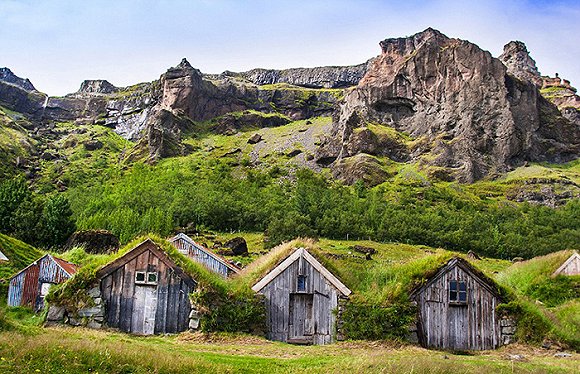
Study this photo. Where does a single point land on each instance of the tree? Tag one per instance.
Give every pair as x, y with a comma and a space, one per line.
56, 221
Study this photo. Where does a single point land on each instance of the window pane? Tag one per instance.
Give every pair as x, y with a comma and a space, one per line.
462, 286
140, 276
152, 277
463, 296
453, 285
301, 286
452, 295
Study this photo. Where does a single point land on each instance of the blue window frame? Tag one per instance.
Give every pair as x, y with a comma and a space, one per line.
301, 284
457, 292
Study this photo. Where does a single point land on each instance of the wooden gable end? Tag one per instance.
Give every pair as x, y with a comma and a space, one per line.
188, 247
570, 267
446, 322
301, 299
140, 306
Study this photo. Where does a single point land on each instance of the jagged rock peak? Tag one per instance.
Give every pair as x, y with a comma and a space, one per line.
184, 68
408, 44
184, 64
97, 86
6, 75
517, 59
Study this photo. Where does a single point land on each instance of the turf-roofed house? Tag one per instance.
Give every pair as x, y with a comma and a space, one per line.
198, 253
457, 309
30, 286
145, 292
302, 300
570, 267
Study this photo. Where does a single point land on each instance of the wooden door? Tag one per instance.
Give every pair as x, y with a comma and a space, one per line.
300, 319
144, 309
458, 327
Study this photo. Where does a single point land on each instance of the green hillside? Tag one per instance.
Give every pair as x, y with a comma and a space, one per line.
19, 254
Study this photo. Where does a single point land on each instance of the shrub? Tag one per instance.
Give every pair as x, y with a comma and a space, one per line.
375, 322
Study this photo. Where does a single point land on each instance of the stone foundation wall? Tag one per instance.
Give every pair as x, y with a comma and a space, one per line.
339, 322
93, 316
508, 330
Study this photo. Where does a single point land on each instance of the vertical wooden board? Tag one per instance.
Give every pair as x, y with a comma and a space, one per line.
105, 285
162, 290
172, 304
127, 295
118, 277
182, 308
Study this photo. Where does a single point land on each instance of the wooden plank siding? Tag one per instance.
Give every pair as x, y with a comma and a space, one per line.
130, 306
570, 267
316, 319
443, 324
25, 287
204, 256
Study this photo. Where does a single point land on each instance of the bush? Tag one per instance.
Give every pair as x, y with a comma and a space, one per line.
375, 322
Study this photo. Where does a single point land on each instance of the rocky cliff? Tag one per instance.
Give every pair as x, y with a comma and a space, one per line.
319, 77
440, 103
468, 117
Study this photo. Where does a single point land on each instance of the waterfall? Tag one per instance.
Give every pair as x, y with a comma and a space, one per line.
44, 106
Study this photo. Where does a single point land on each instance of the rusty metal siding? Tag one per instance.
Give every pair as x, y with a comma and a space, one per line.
200, 255
15, 290
24, 289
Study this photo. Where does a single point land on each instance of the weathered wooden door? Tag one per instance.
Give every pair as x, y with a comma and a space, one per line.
144, 309
300, 319
458, 327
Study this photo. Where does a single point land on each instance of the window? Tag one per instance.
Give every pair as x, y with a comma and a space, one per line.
457, 292
44, 288
142, 277
301, 286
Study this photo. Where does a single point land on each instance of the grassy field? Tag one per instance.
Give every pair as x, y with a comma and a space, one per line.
68, 350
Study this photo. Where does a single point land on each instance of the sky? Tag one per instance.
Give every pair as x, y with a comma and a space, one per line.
59, 43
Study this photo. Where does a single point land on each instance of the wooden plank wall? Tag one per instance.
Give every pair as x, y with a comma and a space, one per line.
118, 290
572, 268
473, 326
199, 255
277, 295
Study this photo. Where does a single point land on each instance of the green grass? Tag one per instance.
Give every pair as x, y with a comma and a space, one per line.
81, 166
19, 254
60, 350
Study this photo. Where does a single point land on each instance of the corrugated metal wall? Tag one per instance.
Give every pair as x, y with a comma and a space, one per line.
201, 256
24, 289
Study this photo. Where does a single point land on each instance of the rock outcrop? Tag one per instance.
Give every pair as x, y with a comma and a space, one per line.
468, 117
7, 76
519, 63
96, 87
318, 77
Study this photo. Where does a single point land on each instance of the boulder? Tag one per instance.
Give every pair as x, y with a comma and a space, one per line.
254, 139
238, 246
93, 241
93, 145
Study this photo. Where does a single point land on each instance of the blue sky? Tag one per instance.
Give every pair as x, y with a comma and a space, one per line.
59, 43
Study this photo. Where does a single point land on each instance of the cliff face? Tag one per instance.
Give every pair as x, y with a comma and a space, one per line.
469, 117
319, 77
440, 103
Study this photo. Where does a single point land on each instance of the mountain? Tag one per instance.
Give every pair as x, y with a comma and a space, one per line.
441, 104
